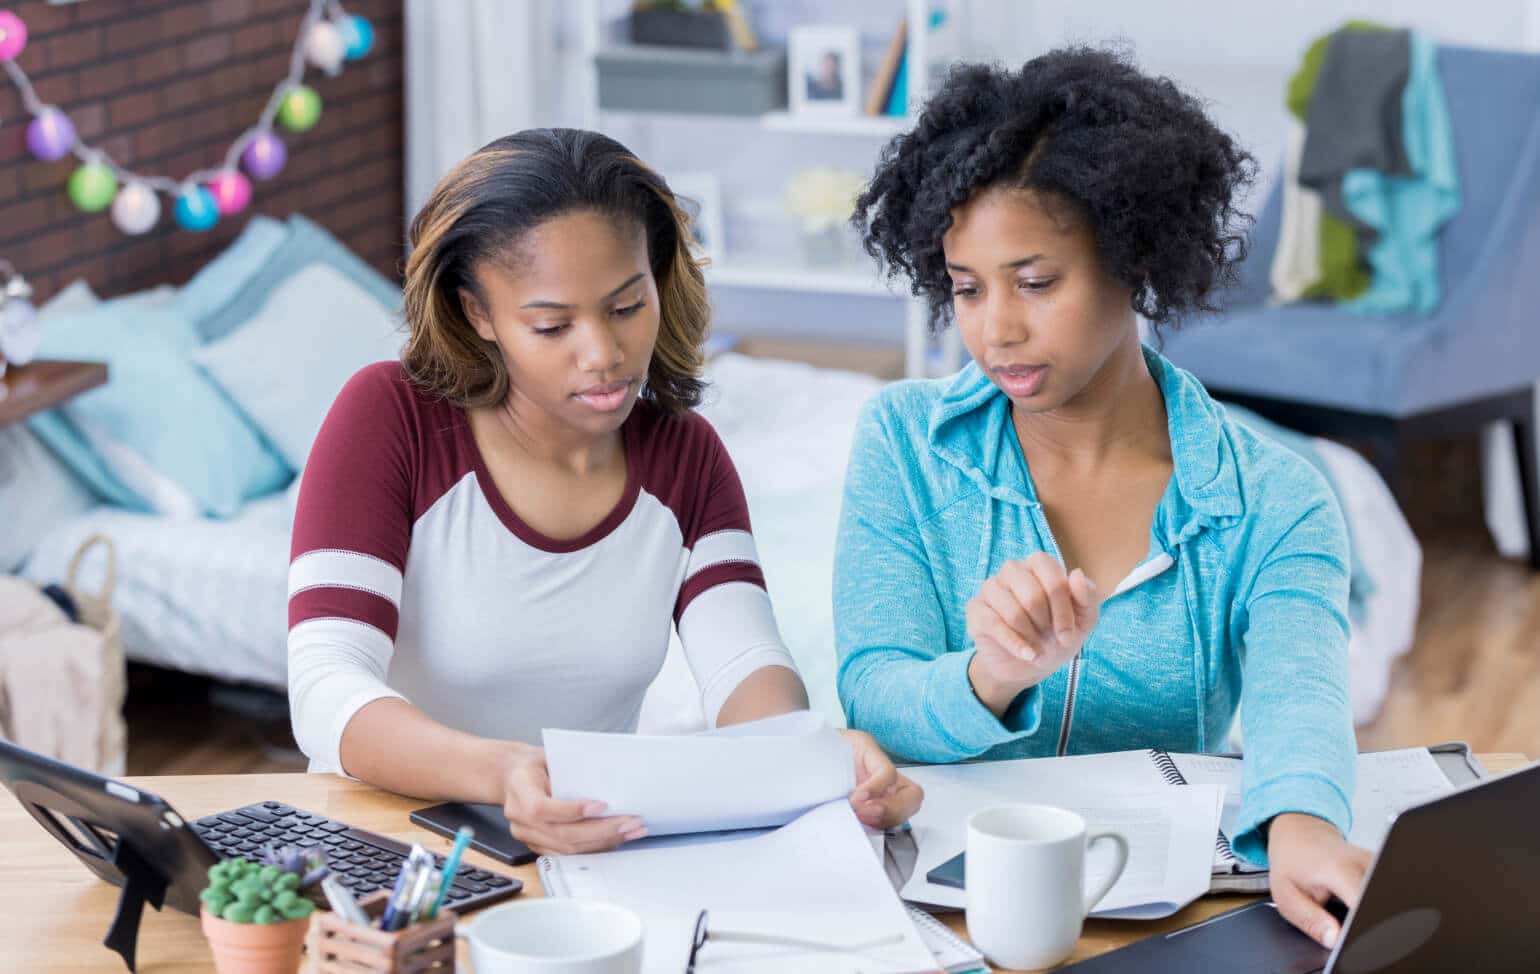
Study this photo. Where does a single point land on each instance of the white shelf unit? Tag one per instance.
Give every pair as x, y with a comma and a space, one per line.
921, 356
749, 272
874, 126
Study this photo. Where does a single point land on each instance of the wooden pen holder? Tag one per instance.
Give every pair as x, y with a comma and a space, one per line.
339, 947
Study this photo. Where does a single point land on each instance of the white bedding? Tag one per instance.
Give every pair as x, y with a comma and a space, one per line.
209, 597
202, 596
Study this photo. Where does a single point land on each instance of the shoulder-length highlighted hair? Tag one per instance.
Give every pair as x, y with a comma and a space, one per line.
481, 209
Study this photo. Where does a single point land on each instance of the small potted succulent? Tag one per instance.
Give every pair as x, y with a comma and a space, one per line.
255, 914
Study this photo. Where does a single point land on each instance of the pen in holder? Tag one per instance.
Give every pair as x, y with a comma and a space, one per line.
340, 947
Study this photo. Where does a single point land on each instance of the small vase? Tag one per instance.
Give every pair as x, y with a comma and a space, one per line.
827, 248
255, 948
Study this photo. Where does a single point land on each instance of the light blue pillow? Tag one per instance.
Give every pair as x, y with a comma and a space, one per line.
70, 445
286, 364
212, 287
304, 244
159, 432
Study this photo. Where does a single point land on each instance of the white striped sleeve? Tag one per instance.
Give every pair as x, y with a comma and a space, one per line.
722, 548
343, 607
336, 666
352, 531
728, 631
345, 569
722, 611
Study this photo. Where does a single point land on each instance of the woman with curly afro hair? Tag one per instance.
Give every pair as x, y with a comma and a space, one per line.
1068, 547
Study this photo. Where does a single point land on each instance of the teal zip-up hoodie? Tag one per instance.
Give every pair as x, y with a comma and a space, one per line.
1240, 602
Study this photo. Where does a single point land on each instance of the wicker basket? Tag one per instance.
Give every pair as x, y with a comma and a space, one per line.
62, 683
96, 611
339, 947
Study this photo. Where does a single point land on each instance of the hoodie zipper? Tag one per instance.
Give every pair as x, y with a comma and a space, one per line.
1069, 702
1073, 686
1141, 574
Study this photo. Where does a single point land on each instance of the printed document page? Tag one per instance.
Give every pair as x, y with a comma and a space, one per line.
755, 775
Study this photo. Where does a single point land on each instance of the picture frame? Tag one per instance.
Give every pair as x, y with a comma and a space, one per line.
700, 193
823, 70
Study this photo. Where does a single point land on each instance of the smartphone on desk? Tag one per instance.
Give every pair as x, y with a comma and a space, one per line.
953, 872
493, 835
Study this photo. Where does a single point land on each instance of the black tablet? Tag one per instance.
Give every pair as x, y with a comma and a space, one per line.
494, 836
116, 830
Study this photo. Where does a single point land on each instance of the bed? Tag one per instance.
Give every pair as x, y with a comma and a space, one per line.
209, 596
197, 439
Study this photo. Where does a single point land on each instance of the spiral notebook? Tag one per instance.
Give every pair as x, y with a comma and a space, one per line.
953, 953
1388, 782
1170, 831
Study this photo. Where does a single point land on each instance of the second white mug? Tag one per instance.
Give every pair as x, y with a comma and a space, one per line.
554, 936
1025, 884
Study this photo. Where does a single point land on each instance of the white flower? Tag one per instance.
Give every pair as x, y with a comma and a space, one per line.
823, 197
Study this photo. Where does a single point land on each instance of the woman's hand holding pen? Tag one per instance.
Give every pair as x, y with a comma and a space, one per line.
1026, 622
551, 826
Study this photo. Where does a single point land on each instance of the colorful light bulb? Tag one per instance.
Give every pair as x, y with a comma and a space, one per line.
264, 156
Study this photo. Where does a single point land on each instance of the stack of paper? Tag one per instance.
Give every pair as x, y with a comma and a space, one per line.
815, 879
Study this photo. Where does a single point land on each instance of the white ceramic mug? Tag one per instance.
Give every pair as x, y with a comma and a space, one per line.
1025, 883
554, 936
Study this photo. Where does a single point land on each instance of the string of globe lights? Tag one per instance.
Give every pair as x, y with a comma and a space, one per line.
327, 37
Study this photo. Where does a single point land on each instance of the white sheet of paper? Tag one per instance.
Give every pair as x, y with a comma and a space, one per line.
1170, 830
1389, 782
755, 775
815, 878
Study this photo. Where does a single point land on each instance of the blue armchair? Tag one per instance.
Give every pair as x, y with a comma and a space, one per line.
1476, 359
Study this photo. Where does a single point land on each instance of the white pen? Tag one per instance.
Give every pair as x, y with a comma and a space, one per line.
342, 902
419, 898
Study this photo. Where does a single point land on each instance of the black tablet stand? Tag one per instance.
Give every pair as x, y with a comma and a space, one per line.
142, 883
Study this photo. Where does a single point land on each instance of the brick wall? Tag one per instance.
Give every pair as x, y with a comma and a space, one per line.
164, 86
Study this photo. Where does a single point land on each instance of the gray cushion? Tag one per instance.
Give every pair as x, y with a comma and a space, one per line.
1303, 353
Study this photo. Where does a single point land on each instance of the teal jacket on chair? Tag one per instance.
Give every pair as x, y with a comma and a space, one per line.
1241, 600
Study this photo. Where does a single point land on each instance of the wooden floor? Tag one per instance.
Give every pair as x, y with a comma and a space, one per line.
179, 724
1474, 672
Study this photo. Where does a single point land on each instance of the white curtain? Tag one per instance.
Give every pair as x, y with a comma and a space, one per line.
475, 70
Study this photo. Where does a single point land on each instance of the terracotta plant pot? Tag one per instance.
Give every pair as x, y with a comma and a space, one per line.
255, 948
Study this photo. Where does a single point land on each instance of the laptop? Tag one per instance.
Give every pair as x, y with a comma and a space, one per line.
136, 840
1453, 888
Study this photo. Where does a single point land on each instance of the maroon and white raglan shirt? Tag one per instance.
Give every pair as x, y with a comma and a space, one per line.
411, 577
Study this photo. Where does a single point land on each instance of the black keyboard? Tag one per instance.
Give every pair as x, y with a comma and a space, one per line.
362, 861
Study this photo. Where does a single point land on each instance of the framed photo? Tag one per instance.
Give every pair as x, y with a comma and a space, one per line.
701, 195
823, 70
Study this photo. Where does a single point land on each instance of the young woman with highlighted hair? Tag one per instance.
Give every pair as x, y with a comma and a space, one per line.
497, 533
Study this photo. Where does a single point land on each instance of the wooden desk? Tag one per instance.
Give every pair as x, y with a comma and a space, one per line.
40, 385
53, 913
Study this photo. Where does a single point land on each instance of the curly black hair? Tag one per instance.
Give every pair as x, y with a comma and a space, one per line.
1136, 157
